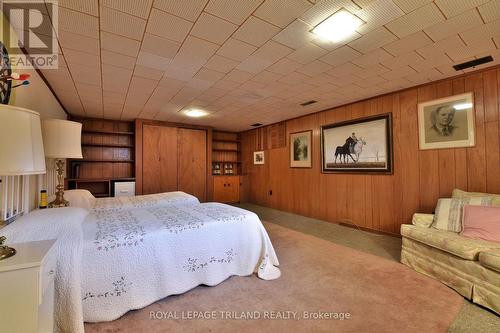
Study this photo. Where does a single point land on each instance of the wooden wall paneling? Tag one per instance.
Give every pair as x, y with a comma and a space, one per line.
446, 157
476, 156
398, 180
328, 183
428, 159
138, 156
460, 153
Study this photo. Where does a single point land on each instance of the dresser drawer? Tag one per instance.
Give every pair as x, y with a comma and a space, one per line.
47, 272
124, 189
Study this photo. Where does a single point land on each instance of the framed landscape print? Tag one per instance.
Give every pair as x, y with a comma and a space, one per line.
447, 122
300, 149
258, 157
358, 146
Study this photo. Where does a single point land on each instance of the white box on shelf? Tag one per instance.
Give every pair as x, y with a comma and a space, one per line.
124, 189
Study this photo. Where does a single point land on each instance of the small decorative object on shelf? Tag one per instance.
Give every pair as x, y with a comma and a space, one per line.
228, 169
216, 169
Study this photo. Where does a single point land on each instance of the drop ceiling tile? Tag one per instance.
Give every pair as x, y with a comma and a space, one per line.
254, 64
153, 61
478, 47
330, 46
236, 50
435, 61
403, 60
85, 6
122, 24
307, 53
189, 10
294, 78
373, 70
272, 51
81, 58
208, 75
233, 11
372, 58
323, 9
196, 48
373, 40
484, 31
239, 76
119, 44
427, 76
159, 46
168, 26
148, 73
377, 13
345, 70
117, 59
419, 19
179, 73
408, 44
78, 23
256, 31
140, 85
441, 47
410, 5
340, 56
221, 64
314, 68
490, 11
213, 29
281, 13
295, 35
73, 41
451, 8
398, 73
139, 8
455, 25
82, 74
266, 77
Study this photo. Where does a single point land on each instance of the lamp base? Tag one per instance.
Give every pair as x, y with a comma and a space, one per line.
58, 204
6, 252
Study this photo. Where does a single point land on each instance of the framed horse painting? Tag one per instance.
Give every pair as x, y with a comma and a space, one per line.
361, 145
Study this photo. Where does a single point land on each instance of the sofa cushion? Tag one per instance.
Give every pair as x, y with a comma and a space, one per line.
490, 259
458, 194
448, 214
480, 222
422, 220
448, 241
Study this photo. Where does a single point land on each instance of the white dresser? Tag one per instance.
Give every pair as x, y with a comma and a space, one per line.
27, 288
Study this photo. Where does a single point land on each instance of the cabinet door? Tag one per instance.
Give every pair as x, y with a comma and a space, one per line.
192, 162
220, 193
233, 189
159, 154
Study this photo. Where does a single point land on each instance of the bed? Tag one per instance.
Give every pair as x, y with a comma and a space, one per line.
132, 258
84, 199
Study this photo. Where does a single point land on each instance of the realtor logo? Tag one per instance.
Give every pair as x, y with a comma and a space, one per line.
28, 30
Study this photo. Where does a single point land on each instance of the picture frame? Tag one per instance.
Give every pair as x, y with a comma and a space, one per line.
447, 122
301, 149
362, 145
258, 157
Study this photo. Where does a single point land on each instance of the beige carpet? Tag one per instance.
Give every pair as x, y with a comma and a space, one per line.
317, 275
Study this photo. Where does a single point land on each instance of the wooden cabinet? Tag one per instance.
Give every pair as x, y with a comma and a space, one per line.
226, 189
171, 158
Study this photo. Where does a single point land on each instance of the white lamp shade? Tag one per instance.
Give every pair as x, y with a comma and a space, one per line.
21, 145
62, 138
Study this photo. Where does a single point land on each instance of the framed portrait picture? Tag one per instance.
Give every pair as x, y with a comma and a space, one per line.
258, 157
358, 146
447, 122
300, 149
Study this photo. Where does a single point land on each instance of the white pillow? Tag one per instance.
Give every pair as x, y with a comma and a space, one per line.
448, 215
79, 198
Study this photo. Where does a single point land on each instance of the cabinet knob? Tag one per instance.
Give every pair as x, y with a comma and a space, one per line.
51, 272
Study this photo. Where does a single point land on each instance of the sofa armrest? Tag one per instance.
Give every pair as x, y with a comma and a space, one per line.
422, 220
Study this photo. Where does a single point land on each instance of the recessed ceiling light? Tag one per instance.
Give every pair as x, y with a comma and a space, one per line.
194, 113
338, 27
462, 106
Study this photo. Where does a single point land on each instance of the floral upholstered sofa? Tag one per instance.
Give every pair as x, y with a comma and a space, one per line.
470, 266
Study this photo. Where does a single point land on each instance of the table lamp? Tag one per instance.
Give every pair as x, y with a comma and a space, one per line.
21, 149
61, 139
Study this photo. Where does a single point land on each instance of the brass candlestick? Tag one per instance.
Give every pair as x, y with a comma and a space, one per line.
59, 201
5, 251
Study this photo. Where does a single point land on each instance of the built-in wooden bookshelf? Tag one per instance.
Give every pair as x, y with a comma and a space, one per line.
108, 149
225, 153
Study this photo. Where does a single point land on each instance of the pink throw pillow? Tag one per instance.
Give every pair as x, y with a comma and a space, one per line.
481, 222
